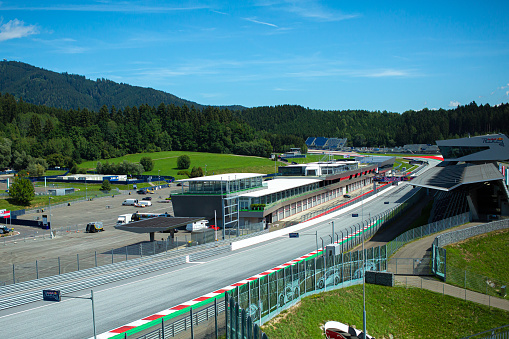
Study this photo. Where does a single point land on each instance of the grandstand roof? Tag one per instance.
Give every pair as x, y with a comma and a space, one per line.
450, 177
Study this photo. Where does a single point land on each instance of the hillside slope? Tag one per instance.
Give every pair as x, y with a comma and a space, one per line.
70, 91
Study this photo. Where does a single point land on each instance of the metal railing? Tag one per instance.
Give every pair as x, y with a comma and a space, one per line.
495, 333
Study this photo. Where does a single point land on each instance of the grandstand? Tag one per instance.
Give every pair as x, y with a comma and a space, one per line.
469, 179
310, 142
326, 143
448, 204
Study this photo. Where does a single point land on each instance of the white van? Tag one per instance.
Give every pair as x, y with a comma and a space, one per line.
197, 225
143, 203
130, 202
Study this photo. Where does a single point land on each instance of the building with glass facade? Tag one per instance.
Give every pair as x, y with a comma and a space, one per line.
248, 199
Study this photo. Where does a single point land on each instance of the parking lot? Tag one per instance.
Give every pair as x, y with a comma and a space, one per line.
34, 243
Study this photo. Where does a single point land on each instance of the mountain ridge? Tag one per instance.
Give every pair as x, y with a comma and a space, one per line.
72, 91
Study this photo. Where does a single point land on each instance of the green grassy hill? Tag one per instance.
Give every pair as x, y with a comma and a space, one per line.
165, 163
394, 312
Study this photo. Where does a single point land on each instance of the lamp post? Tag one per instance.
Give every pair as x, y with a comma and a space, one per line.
363, 271
50, 231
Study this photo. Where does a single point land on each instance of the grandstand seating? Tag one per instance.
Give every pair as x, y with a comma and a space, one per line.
320, 142
448, 204
326, 143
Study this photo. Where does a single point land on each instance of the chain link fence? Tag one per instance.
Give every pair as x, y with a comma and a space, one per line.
461, 277
425, 230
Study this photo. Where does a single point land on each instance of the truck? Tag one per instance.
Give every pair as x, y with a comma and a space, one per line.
197, 225
143, 203
124, 219
130, 202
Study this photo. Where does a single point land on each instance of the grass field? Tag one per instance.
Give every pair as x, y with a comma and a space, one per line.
396, 311
486, 254
165, 163
82, 191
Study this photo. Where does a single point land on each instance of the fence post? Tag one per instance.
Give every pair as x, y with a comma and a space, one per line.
126, 253
58, 265
192, 326
162, 327
112, 255
78, 260
215, 319
37, 269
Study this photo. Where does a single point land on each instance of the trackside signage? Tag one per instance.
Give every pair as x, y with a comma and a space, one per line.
51, 295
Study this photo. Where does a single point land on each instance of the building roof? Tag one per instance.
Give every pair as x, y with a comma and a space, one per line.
157, 224
225, 177
450, 177
278, 185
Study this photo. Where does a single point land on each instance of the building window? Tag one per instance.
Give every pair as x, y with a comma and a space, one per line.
453, 152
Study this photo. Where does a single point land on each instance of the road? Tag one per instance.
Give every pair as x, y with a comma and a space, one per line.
126, 301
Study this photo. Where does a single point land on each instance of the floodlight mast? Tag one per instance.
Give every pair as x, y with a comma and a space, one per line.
363, 268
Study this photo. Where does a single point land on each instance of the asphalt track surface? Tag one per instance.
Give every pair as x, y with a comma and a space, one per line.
119, 303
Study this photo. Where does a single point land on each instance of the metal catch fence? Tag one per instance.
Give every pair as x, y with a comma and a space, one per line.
466, 278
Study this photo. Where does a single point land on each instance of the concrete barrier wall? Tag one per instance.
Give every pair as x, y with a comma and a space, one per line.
380, 278
460, 235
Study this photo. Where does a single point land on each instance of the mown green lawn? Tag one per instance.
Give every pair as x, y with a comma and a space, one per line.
396, 311
165, 163
486, 254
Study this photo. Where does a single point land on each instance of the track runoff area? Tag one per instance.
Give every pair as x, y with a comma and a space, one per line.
154, 320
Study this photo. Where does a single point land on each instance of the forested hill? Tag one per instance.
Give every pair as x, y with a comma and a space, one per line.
70, 91
364, 128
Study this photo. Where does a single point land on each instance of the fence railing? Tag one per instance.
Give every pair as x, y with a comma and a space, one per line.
425, 230
462, 277
19, 272
495, 333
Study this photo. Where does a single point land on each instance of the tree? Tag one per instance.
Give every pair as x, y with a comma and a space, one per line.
147, 163
5, 152
196, 172
183, 162
22, 191
106, 186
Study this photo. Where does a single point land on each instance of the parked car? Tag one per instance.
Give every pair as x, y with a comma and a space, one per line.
147, 198
5, 230
141, 192
94, 227
346, 196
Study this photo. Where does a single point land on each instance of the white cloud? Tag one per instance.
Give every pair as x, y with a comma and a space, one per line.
454, 103
384, 73
260, 22
16, 29
310, 9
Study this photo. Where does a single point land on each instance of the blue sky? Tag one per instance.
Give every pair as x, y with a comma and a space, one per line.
318, 54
